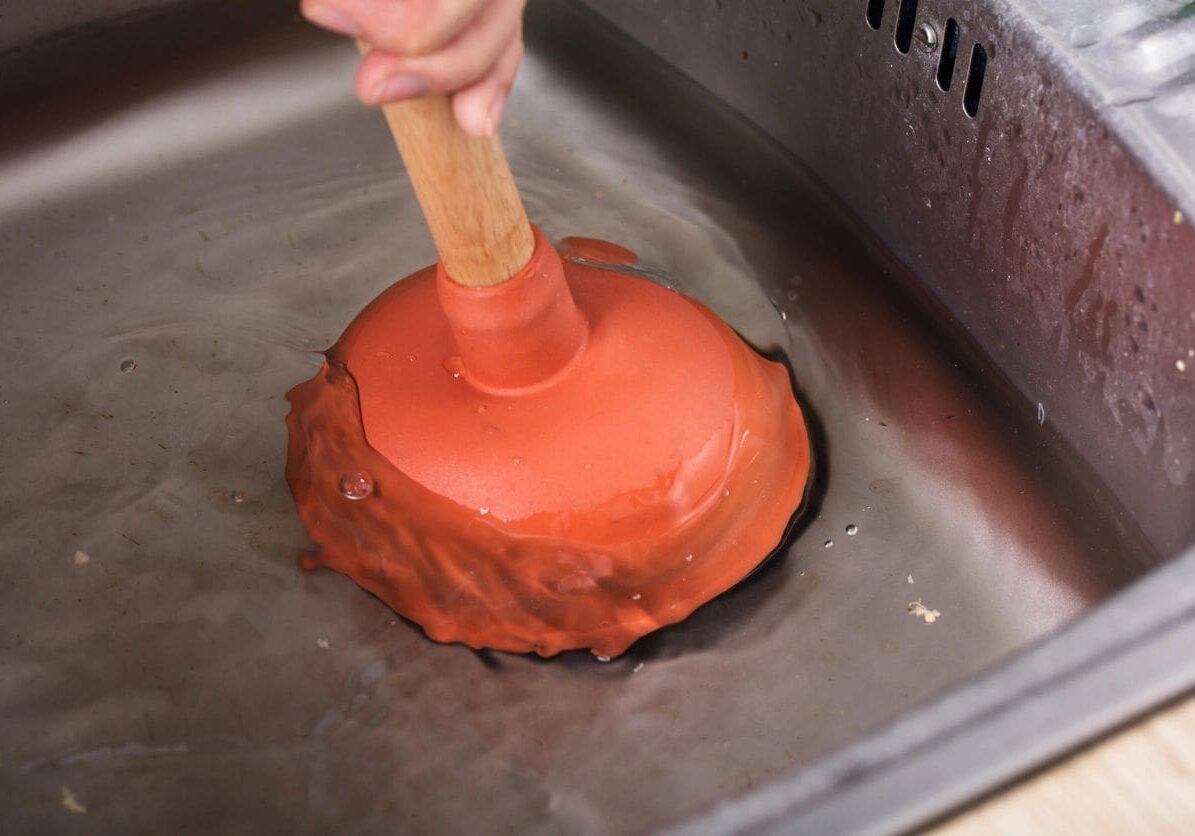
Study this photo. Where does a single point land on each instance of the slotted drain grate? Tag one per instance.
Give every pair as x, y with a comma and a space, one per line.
906, 32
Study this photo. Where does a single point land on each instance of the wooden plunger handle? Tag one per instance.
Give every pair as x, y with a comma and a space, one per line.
466, 190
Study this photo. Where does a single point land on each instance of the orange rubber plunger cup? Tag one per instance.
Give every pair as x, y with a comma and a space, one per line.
528, 454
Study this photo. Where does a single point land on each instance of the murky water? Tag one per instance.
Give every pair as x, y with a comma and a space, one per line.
156, 307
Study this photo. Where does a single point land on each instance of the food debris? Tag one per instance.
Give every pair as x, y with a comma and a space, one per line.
323, 644
910, 578
72, 804
82, 558
920, 610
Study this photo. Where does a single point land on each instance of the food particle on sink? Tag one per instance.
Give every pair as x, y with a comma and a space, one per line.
920, 610
71, 803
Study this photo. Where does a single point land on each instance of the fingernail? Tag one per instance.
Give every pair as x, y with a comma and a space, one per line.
398, 87
494, 115
330, 18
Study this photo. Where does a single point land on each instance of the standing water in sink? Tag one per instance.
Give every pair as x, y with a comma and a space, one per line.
221, 234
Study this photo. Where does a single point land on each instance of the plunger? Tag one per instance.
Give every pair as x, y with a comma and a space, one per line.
527, 453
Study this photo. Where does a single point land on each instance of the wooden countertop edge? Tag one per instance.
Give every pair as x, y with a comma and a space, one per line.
1139, 780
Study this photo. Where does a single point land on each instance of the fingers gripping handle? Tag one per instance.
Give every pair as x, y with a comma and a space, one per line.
466, 191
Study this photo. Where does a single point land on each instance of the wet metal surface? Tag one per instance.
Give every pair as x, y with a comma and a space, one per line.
166, 663
1054, 227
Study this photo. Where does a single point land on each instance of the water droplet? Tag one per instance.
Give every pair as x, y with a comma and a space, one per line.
603, 658
411, 358
636, 596
852, 530
238, 497
455, 367
726, 492
637, 668
483, 510
827, 544
128, 365
688, 558
1041, 413
576, 582
356, 486
1181, 365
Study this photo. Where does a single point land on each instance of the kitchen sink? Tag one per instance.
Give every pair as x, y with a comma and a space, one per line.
984, 294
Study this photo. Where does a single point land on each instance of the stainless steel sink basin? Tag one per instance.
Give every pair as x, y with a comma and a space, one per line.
184, 226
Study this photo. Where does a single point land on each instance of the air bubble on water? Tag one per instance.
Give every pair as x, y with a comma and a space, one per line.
636, 596
827, 544
356, 486
1041, 413
602, 658
238, 497
128, 365
852, 530
483, 510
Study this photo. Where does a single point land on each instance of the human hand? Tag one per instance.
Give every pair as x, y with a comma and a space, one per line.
467, 49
